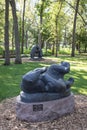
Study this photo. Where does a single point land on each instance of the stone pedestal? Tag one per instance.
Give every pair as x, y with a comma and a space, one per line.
43, 111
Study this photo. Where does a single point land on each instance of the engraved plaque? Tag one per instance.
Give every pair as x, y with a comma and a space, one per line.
38, 107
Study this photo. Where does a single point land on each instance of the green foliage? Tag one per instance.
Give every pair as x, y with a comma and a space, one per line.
26, 51
42, 6
64, 52
47, 53
50, 10
2, 4
1, 50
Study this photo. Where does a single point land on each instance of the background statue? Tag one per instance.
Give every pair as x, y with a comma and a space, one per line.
48, 80
36, 52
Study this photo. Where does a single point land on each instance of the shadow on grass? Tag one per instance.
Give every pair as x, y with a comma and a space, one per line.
76, 58
11, 76
80, 83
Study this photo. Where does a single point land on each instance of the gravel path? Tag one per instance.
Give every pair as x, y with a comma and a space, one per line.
75, 121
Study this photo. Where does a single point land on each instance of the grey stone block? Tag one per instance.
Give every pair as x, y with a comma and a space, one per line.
44, 111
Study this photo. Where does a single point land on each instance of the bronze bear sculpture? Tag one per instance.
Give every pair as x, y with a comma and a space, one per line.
48, 80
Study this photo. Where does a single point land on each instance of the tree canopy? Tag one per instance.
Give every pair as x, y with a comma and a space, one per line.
49, 23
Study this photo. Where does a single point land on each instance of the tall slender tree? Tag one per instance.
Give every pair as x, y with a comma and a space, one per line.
6, 35
74, 29
41, 22
17, 41
56, 29
41, 6
22, 46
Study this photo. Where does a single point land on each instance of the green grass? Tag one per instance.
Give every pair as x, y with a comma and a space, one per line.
11, 76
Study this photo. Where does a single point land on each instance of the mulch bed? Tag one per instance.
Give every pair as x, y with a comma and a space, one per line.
74, 121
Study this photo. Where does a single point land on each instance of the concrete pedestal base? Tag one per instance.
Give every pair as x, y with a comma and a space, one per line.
43, 111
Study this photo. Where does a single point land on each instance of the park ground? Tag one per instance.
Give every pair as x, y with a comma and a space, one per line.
10, 79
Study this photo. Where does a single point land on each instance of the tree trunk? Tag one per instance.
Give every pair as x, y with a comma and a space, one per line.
26, 41
56, 36
17, 41
64, 44
56, 29
41, 22
40, 38
74, 30
13, 38
6, 35
85, 48
53, 48
22, 46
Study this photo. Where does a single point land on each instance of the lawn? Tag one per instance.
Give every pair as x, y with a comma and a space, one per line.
11, 76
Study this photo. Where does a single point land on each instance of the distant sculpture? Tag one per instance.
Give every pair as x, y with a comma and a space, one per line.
36, 52
48, 80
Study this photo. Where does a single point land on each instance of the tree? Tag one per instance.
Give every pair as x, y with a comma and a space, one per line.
74, 29
22, 50
17, 41
2, 20
41, 7
83, 3
6, 35
56, 23
81, 44
41, 11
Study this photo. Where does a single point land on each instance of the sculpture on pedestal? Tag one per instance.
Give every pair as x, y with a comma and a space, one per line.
36, 52
46, 83
45, 94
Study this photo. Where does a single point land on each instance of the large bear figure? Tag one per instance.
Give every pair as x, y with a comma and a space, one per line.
48, 80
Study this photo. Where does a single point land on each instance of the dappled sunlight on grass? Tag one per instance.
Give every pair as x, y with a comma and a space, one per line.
80, 84
11, 76
85, 77
79, 91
